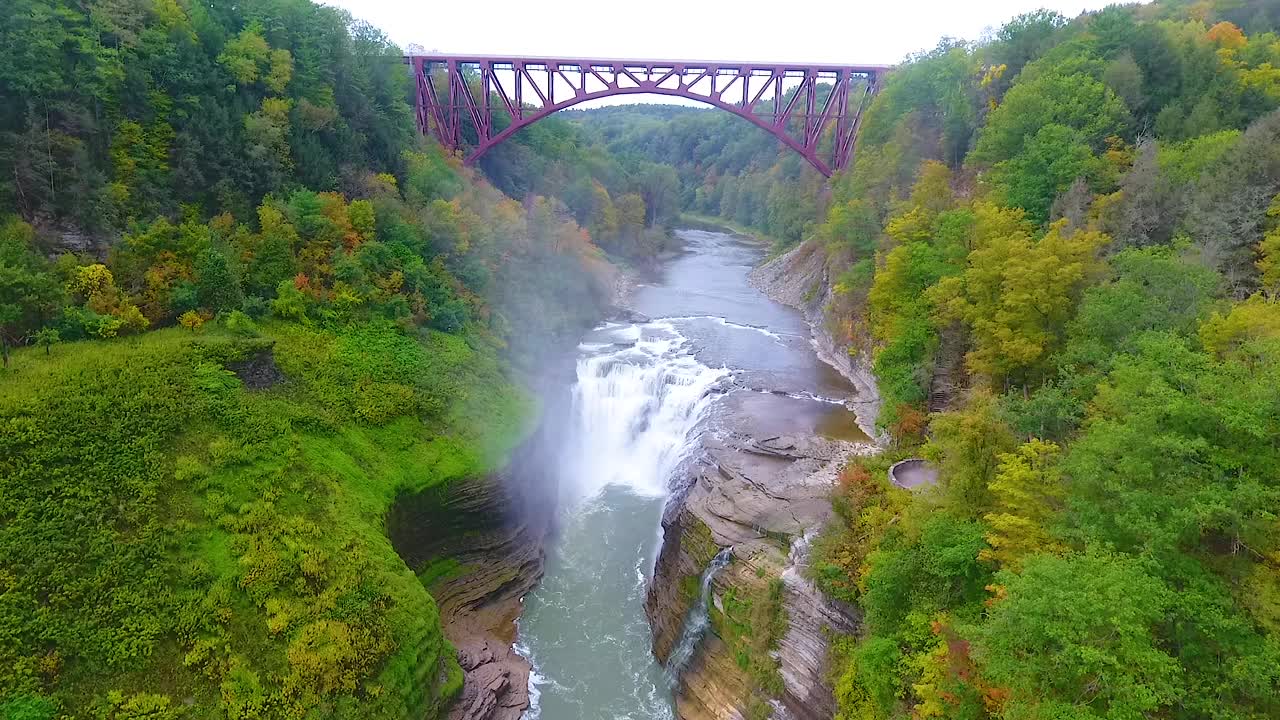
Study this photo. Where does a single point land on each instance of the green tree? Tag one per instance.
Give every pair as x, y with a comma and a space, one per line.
46, 337
1175, 451
967, 444
1076, 101
1076, 637
30, 294
1050, 161
217, 286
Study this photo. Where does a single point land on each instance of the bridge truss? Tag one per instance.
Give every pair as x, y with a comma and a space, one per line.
478, 101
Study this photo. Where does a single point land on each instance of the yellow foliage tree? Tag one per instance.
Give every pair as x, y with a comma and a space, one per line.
280, 71
1027, 491
243, 55
191, 320
1255, 318
97, 286
932, 190
1016, 294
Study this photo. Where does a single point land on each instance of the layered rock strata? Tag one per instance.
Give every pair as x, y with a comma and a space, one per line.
766, 495
478, 547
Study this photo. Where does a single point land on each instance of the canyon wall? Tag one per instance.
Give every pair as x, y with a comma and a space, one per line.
765, 496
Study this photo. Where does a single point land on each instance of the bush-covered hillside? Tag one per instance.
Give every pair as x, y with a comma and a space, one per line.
243, 306
194, 519
1060, 247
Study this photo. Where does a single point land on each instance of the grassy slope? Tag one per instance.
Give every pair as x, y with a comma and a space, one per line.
173, 542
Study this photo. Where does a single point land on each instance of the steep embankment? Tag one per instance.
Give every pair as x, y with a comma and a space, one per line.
762, 496
801, 278
478, 546
199, 519
477, 552
763, 492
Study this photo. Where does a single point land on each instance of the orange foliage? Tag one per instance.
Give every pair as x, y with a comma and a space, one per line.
854, 476
1227, 35
911, 422
998, 593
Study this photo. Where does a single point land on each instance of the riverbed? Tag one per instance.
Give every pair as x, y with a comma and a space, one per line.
708, 355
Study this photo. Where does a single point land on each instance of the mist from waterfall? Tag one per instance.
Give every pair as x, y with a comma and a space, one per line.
637, 403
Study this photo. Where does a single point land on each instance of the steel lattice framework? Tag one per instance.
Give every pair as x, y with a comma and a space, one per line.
813, 109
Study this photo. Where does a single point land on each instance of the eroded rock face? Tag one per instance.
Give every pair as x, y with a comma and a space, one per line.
766, 494
802, 651
497, 681
491, 547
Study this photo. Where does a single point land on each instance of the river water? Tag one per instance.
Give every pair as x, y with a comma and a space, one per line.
715, 348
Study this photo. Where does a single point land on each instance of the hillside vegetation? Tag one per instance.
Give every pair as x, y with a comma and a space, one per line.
180, 543
243, 307
1060, 246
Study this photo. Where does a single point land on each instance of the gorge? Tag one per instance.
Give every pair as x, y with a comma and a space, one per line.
708, 408
335, 388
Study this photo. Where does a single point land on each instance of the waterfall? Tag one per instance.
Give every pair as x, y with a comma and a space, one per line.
640, 393
698, 619
636, 407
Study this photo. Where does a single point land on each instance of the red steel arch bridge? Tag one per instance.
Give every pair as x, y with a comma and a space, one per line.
813, 109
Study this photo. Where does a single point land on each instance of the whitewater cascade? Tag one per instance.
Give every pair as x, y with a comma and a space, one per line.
638, 401
639, 395
698, 620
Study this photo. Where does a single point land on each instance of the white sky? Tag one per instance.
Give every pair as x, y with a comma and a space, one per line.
855, 31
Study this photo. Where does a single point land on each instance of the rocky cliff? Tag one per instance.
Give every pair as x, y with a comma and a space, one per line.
477, 545
765, 495
762, 496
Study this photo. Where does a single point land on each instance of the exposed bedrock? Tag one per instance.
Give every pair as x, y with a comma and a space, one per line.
800, 278
764, 495
477, 545
762, 485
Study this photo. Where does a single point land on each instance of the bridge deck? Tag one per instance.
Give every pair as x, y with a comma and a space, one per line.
579, 61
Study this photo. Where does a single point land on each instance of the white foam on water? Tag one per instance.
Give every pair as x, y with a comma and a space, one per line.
635, 409
805, 395
534, 712
725, 322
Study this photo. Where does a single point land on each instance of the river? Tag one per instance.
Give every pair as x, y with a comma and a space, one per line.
714, 347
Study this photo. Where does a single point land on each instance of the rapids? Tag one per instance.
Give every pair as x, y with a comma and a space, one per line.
644, 392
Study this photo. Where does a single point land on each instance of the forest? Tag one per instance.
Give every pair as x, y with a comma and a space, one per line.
1058, 250
200, 202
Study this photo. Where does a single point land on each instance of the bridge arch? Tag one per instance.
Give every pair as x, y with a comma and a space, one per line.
454, 89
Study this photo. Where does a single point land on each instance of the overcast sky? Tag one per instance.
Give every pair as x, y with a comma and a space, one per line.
853, 31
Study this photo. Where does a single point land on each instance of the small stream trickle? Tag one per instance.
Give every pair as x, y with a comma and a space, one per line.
697, 621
